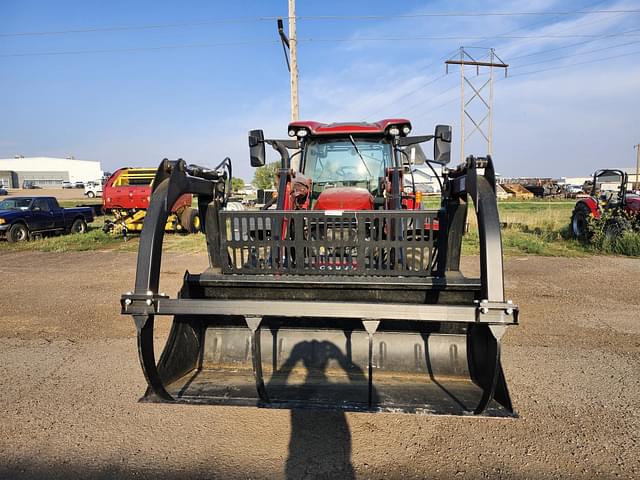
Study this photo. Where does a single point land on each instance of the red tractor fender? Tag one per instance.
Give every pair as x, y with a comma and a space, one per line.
592, 204
633, 205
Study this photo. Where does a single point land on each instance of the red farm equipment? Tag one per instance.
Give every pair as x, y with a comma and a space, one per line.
126, 195
348, 295
609, 202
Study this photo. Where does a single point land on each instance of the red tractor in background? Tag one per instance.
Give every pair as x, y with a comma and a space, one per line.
622, 208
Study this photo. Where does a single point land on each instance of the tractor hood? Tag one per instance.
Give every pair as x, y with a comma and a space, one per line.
344, 198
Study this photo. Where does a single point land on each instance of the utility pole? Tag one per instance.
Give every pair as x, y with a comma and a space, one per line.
466, 81
637, 182
291, 43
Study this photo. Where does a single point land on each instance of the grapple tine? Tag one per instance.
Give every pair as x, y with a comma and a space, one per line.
256, 356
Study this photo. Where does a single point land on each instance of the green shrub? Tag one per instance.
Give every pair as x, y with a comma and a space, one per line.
615, 232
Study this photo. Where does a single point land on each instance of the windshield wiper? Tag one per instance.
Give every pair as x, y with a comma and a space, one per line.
360, 155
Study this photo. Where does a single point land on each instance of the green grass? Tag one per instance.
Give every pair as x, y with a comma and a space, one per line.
73, 203
95, 240
531, 227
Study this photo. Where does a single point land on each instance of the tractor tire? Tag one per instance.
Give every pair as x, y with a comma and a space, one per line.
615, 228
18, 233
78, 226
190, 220
580, 222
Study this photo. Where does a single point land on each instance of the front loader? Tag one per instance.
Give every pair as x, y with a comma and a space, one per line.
345, 295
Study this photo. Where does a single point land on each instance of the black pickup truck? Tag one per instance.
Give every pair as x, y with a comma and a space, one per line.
24, 217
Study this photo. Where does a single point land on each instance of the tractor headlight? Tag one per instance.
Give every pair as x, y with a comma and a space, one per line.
292, 133
303, 132
394, 131
406, 129
2, 221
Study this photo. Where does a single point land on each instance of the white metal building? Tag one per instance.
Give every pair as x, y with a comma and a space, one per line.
47, 171
425, 180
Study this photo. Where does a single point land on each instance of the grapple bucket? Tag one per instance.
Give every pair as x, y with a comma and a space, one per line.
361, 311
312, 364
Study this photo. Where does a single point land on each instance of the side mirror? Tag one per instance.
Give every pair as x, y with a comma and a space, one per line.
442, 144
256, 148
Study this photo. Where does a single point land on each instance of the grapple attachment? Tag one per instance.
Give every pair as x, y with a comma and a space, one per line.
363, 311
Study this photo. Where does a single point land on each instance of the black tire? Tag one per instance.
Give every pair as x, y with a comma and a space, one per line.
189, 220
580, 222
91, 194
18, 233
615, 227
78, 226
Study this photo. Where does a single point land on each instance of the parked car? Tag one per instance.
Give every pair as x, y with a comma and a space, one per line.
22, 217
3, 191
29, 185
93, 189
78, 185
66, 184
575, 189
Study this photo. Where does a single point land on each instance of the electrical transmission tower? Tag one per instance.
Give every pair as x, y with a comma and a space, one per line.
490, 60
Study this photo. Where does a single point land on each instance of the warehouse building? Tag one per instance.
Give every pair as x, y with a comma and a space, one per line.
46, 172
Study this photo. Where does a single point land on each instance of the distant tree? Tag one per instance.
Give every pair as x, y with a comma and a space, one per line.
237, 184
265, 177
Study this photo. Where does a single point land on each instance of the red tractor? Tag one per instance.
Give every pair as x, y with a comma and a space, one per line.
350, 166
622, 207
348, 295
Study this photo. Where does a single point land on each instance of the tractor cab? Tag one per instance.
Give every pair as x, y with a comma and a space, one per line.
610, 188
350, 166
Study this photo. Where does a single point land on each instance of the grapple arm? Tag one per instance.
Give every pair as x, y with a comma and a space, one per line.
173, 179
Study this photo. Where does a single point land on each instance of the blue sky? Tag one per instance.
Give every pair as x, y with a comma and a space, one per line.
198, 101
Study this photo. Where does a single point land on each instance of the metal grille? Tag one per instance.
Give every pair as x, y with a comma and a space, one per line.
328, 243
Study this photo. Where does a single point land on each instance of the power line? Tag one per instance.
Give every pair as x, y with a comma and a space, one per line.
308, 18
587, 52
138, 49
458, 37
300, 40
134, 27
558, 67
462, 14
529, 25
576, 44
423, 85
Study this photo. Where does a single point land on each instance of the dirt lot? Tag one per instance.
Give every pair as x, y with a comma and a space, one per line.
70, 380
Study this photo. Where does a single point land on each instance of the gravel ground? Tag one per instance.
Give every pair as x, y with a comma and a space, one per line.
70, 381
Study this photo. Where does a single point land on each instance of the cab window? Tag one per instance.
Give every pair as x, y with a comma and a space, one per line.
343, 162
